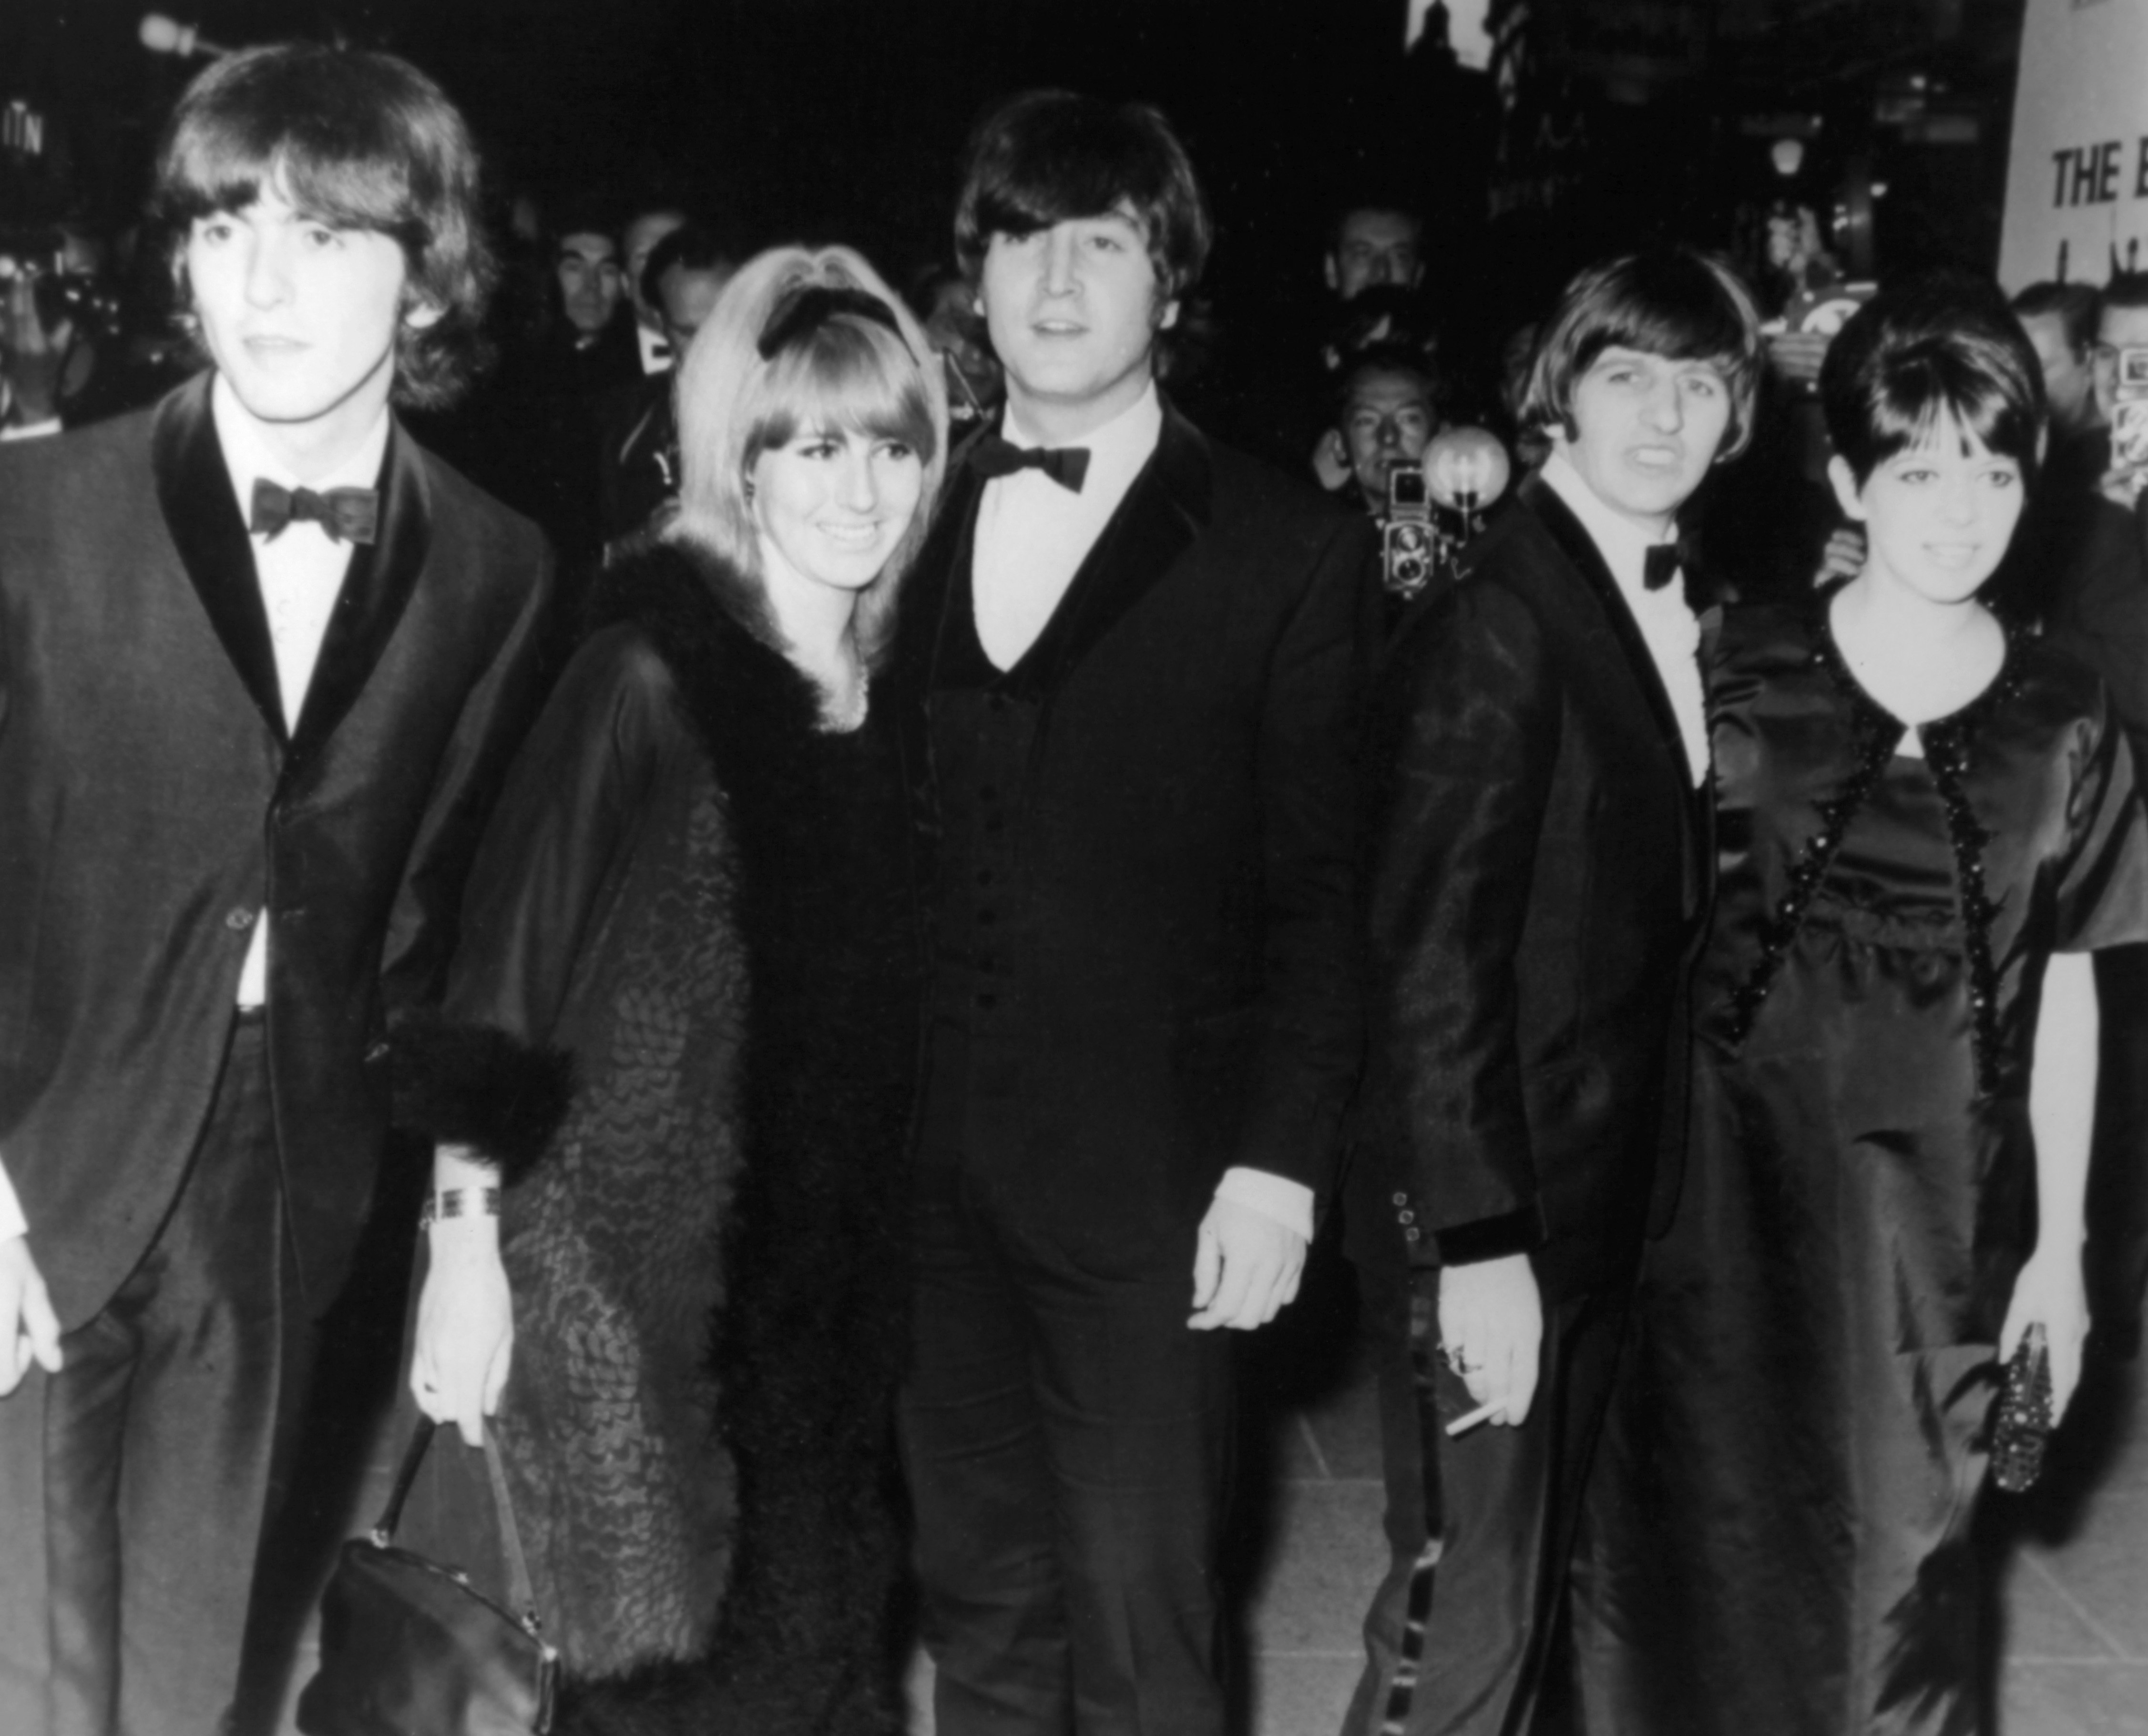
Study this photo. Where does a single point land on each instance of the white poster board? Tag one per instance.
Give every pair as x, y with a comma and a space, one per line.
2077, 171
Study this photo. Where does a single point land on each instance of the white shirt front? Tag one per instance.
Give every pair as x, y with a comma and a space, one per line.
1032, 535
1668, 627
656, 352
300, 572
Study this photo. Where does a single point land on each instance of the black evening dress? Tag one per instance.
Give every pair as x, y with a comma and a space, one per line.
1783, 1503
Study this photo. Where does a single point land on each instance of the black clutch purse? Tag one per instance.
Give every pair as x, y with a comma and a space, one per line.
409, 1648
2022, 1428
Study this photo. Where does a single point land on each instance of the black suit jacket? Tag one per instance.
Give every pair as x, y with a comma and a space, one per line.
151, 801
637, 454
1189, 806
1538, 875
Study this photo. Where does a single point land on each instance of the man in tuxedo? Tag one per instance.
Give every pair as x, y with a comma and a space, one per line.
644, 232
1131, 657
1538, 874
638, 426
262, 660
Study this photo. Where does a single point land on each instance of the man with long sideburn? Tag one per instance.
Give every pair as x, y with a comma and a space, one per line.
261, 660
1131, 655
1540, 872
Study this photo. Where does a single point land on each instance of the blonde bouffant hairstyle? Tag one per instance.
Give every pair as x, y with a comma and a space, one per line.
847, 372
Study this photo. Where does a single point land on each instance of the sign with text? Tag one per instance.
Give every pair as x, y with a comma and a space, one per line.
2077, 178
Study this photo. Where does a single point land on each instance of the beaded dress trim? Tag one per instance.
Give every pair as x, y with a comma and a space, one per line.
1875, 733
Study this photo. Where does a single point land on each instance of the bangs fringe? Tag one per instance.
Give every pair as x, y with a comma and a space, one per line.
1923, 390
848, 375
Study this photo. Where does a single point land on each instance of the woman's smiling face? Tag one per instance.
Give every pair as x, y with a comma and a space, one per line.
1938, 515
832, 505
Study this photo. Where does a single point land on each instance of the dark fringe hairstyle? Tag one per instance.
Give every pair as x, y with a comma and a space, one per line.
1671, 302
355, 140
1938, 347
1050, 155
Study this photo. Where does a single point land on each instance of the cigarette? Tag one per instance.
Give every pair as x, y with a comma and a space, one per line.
1483, 1413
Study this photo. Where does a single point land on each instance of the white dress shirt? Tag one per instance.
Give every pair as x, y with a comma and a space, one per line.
656, 352
1032, 535
1668, 627
300, 574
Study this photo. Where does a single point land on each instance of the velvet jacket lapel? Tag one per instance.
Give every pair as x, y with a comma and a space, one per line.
1615, 620
376, 588
1163, 511
194, 490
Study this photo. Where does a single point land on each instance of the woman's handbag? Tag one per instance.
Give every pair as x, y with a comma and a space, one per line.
409, 1648
2022, 1425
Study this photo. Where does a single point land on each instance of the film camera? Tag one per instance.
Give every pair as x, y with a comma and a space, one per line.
1409, 542
2129, 415
1434, 509
36, 261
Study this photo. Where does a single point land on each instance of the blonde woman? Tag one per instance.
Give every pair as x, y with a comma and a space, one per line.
691, 927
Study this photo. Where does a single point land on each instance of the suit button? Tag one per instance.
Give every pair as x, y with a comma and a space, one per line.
1410, 1235
1406, 1217
238, 921
1401, 1199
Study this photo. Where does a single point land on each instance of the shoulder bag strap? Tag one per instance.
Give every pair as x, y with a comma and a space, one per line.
521, 1593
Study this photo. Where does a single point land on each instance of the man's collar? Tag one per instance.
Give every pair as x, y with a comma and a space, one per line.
248, 458
1134, 430
1622, 544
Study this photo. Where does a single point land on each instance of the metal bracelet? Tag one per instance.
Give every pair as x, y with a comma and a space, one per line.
450, 1202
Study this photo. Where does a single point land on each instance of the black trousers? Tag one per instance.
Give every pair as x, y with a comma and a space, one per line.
1067, 1440
134, 1483
1506, 1506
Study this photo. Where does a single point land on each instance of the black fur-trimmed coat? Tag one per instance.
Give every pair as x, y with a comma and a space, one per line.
696, 898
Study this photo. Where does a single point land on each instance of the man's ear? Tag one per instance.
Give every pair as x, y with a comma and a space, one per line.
1169, 317
1846, 491
421, 315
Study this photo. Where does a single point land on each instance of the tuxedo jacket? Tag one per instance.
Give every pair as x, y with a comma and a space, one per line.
152, 800
637, 454
1187, 816
1538, 878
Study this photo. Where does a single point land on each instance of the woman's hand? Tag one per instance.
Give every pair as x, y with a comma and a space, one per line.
465, 1339
2050, 1293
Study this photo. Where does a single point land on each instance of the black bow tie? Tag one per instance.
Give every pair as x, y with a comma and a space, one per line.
346, 515
1662, 562
994, 456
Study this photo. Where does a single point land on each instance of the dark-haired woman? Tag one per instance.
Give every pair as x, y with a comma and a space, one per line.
686, 1319
1926, 823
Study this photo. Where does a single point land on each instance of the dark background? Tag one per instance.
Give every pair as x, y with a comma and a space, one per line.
827, 119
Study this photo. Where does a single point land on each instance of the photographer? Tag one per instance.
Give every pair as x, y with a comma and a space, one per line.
1386, 410
53, 321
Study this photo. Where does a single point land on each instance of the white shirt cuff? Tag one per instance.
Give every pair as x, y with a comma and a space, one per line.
11, 1221
1288, 1202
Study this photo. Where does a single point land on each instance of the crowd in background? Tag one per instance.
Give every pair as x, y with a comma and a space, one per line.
1161, 868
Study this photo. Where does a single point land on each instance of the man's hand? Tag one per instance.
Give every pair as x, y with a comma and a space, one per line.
1491, 1325
465, 1339
29, 1330
1331, 461
1246, 1267
1843, 556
